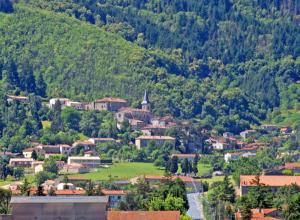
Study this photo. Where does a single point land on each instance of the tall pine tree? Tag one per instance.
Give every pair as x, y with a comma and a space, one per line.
41, 86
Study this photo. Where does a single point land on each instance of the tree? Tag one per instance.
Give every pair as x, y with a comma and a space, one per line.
292, 210
51, 192
40, 191
41, 86
6, 6
185, 166
25, 188
89, 188
27, 82
50, 166
174, 164
57, 124
13, 74
18, 172
195, 164
34, 155
42, 176
71, 118
174, 203
5, 196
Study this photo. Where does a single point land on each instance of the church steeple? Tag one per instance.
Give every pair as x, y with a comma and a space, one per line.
146, 103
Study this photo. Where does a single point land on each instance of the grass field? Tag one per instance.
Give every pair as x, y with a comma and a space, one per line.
46, 124
122, 171
203, 168
216, 179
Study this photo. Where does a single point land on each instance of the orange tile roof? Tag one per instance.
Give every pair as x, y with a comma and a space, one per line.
155, 138
111, 99
292, 165
113, 192
143, 215
69, 192
270, 180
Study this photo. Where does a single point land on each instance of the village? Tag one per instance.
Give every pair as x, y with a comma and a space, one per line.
74, 163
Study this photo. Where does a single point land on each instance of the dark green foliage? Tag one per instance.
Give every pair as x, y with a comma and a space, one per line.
5, 196
41, 86
57, 123
50, 166
6, 6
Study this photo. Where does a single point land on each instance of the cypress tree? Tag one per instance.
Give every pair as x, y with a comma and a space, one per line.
41, 86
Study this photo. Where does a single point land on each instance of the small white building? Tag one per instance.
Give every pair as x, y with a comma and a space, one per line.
63, 102
235, 156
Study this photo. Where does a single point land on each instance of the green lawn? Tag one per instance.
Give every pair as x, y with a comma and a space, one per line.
203, 168
46, 124
216, 179
122, 171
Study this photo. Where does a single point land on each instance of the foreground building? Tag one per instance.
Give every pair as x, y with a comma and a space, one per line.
59, 207
274, 182
143, 215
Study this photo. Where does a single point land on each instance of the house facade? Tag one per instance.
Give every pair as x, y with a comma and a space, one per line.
21, 162
143, 141
109, 104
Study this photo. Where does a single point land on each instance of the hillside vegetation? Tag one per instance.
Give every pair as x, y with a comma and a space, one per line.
226, 63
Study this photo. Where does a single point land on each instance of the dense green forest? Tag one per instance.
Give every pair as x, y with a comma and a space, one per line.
227, 63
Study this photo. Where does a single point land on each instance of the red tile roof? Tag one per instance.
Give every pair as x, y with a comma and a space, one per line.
111, 99
276, 181
143, 215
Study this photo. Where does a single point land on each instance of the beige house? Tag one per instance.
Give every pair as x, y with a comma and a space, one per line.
86, 161
21, 162
143, 141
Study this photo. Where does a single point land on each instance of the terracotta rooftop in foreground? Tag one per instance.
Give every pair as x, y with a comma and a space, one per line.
262, 214
143, 215
270, 180
111, 99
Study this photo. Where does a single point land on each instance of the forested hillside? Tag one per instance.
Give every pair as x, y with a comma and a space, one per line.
228, 63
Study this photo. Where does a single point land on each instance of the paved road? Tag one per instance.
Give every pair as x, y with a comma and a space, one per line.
195, 210
195, 206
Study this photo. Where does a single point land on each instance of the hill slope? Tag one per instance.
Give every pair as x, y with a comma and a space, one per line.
82, 61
